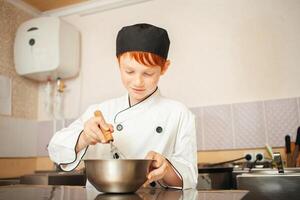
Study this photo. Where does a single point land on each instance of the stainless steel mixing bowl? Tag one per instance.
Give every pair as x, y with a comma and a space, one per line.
117, 176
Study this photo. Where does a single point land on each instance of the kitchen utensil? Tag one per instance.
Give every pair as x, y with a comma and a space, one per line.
117, 176
296, 150
269, 151
115, 153
289, 160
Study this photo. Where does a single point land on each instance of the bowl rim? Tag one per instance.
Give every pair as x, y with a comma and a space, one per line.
118, 160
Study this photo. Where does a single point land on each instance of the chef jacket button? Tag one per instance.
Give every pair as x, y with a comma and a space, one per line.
119, 127
153, 184
159, 129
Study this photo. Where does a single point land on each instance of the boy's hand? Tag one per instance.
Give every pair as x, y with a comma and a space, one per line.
159, 167
92, 133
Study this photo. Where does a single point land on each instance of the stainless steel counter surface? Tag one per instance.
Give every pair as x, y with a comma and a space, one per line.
42, 192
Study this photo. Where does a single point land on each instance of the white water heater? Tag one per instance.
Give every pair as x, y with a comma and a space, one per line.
47, 48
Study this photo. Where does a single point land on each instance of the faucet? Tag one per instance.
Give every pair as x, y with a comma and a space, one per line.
278, 161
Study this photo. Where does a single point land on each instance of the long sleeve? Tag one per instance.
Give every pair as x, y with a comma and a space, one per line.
184, 158
62, 146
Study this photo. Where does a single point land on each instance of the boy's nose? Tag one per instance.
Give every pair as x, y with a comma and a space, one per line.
139, 81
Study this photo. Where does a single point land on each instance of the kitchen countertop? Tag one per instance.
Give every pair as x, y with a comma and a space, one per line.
43, 192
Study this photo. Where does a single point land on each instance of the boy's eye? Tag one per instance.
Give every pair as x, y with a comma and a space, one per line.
148, 74
129, 72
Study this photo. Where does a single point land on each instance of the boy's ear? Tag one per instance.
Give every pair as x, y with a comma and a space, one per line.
165, 67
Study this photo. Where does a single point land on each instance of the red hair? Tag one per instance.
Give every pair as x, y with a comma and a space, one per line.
145, 58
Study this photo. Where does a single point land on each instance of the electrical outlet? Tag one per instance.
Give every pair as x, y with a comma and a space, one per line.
252, 156
259, 154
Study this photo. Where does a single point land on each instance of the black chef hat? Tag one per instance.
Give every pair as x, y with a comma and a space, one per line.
143, 37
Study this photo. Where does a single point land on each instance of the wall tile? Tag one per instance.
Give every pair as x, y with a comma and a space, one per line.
18, 137
249, 125
281, 119
44, 134
69, 121
8, 138
217, 126
198, 120
27, 136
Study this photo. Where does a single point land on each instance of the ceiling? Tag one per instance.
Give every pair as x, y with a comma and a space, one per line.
45, 5
61, 8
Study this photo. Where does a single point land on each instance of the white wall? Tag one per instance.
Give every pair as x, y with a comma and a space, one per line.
222, 51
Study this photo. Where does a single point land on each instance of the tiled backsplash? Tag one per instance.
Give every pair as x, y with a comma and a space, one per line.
25, 138
247, 125
231, 126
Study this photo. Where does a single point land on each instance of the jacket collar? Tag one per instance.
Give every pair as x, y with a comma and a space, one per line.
131, 111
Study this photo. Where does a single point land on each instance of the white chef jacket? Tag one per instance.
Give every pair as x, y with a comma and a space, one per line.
155, 124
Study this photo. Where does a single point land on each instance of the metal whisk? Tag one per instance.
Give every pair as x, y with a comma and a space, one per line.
114, 151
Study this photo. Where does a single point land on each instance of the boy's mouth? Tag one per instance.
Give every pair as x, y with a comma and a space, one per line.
138, 90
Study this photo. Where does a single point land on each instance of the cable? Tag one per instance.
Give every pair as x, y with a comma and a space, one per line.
247, 157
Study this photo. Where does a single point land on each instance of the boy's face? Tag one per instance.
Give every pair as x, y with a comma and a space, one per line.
138, 79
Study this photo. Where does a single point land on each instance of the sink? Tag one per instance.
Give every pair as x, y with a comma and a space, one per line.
287, 171
269, 184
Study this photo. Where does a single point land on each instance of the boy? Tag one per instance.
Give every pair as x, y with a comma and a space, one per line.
144, 124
